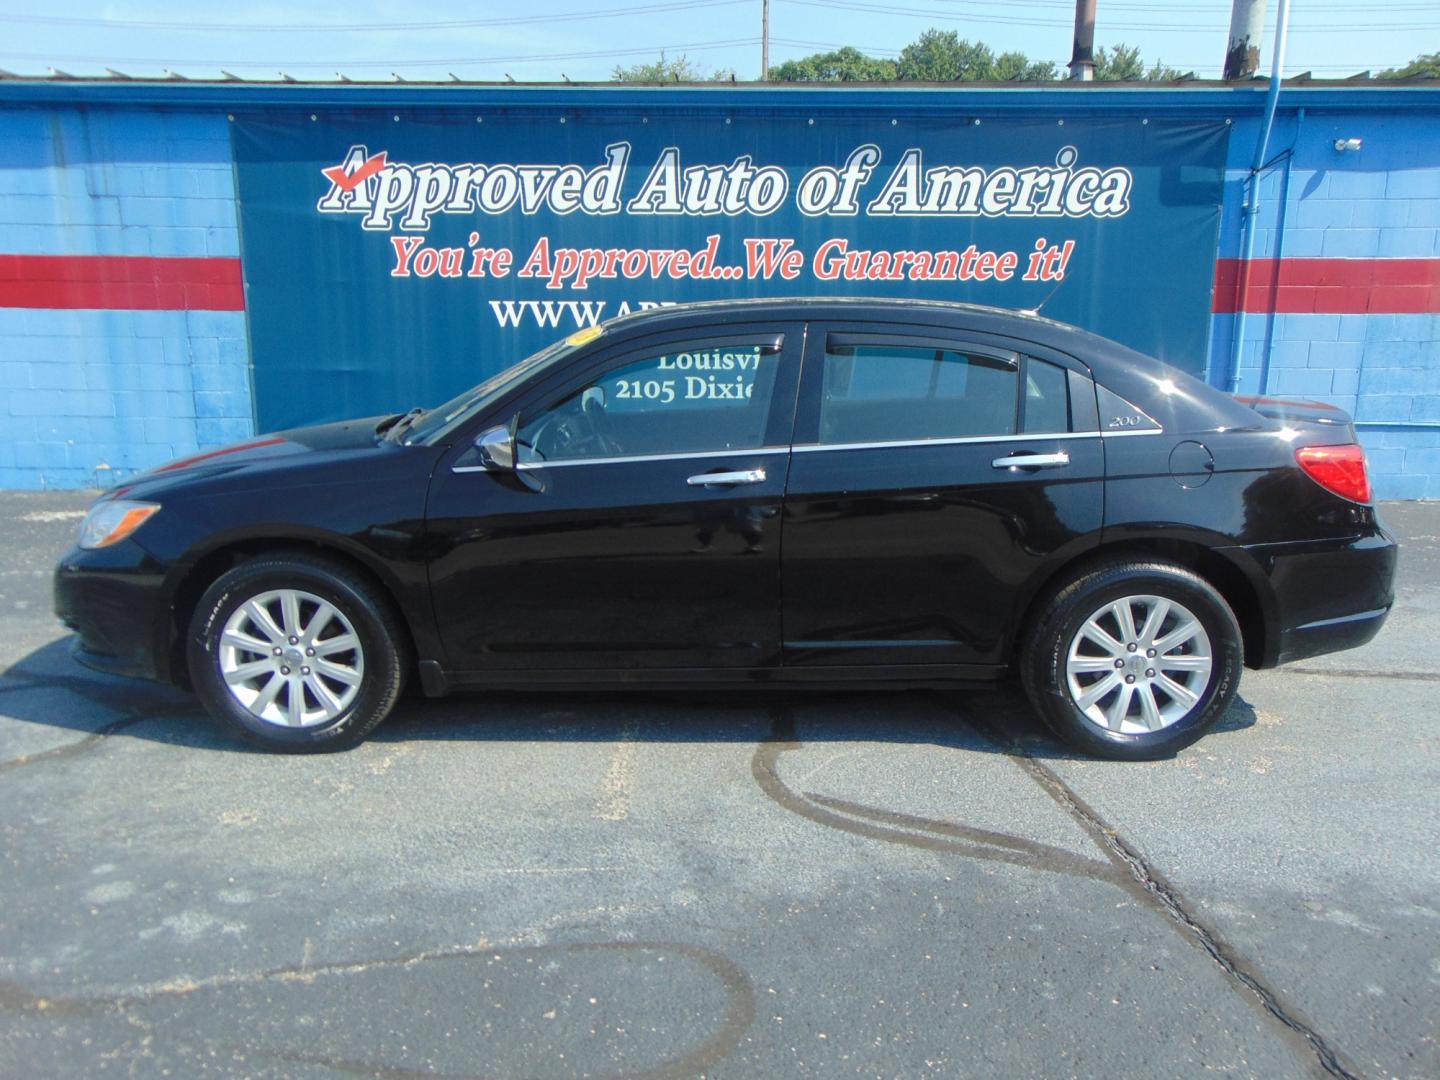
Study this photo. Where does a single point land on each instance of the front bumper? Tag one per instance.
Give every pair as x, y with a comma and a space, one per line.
112, 599
1331, 596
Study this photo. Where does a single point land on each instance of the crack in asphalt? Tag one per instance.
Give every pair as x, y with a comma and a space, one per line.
79, 746
736, 1016
879, 824
1167, 899
93, 691
1351, 673
1124, 867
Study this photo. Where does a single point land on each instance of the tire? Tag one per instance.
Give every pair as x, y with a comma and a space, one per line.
340, 693
1145, 710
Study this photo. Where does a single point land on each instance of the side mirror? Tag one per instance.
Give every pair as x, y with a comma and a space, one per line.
497, 448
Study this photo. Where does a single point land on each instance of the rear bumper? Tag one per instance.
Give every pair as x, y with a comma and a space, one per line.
1330, 635
1329, 595
112, 599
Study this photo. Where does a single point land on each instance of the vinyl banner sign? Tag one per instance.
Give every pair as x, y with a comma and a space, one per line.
393, 260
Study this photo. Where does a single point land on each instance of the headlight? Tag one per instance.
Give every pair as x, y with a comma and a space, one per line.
113, 520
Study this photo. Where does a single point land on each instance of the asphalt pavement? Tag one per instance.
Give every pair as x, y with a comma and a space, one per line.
821, 885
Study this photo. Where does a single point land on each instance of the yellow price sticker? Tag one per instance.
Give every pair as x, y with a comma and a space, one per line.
584, 337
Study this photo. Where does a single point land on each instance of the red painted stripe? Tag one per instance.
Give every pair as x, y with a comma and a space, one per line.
131, 282
185, 463
1328, 286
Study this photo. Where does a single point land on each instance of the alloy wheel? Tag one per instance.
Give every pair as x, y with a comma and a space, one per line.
1139, 664
291, 658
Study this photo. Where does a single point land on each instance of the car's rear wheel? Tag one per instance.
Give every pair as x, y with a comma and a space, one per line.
1133, 659
297, 653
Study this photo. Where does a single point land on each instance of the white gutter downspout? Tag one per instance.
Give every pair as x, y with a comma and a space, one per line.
1251, 205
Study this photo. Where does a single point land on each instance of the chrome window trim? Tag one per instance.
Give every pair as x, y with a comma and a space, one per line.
811, 448
691, 455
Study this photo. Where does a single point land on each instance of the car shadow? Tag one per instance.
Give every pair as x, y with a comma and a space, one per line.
49, 688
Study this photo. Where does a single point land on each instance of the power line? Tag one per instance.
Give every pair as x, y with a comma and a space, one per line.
796, 43
801, 43
1011, 20
1220, 9
667, 6
673, 5
357, 63
288, 28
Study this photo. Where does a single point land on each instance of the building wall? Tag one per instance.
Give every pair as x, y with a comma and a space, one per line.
123, 336
116, 207
1361, 229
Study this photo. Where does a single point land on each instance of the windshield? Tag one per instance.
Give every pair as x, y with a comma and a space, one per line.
443, 418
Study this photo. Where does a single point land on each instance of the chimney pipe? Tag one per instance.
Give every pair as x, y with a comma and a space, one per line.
1082, 58
1247, 28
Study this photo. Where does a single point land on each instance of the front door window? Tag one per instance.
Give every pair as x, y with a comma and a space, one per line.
702, 397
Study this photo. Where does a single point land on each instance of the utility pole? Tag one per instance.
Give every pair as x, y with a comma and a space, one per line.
1242, 50
1082, 58
764, 40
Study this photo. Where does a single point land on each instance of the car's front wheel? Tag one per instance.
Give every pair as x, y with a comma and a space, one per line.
296, 652
1133, 659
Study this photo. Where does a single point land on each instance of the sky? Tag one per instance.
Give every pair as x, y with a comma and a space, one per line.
583, 40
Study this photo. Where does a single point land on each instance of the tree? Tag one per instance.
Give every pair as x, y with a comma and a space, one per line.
843, 65
1017, 67
1123, 63
936, 56
944, 56
1426, 66
680, 69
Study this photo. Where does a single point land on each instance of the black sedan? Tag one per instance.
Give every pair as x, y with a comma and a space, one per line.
798, 492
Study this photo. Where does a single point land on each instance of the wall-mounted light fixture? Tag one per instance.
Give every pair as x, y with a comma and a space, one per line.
1347, 144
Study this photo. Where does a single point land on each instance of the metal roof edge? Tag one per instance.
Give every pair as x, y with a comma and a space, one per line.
1207, 97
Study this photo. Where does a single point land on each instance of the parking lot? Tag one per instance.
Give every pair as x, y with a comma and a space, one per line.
898, 884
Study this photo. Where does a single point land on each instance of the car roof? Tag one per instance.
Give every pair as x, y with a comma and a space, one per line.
980, 318
858, 307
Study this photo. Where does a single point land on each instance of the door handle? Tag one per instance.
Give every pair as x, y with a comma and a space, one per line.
742, 476
1032, 461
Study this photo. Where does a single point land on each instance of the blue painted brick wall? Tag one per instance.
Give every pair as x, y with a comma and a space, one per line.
91, 397
1380, 202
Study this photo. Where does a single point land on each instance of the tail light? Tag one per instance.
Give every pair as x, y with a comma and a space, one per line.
1340, 469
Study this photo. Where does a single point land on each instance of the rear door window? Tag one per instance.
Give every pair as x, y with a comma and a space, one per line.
1047, 398
903, 392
